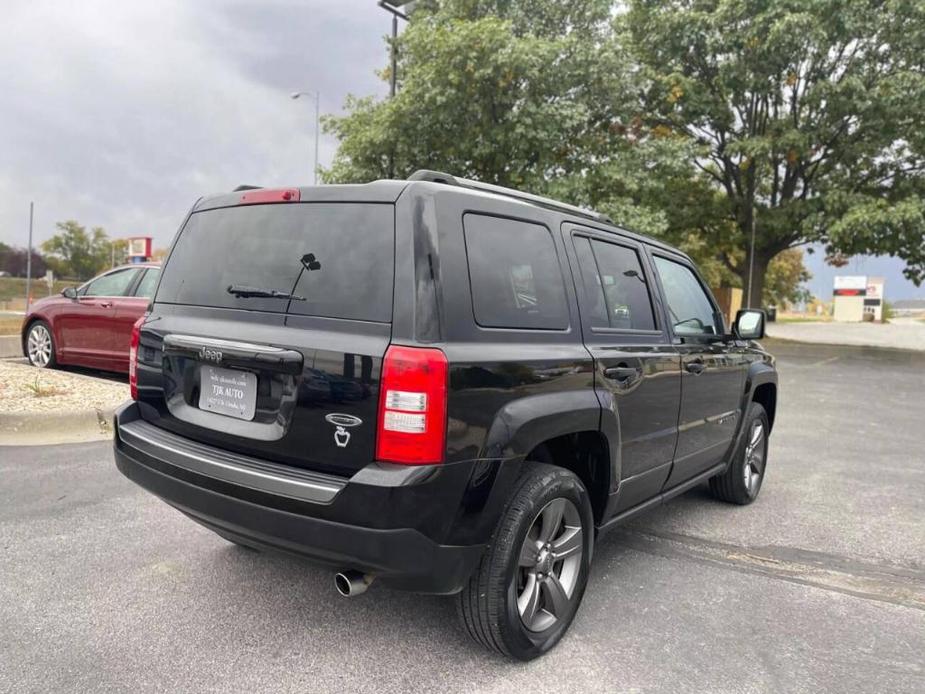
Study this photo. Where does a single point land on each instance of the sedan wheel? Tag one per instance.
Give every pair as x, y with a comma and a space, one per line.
39, 346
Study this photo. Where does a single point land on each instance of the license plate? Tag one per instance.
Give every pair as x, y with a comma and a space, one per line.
228, 392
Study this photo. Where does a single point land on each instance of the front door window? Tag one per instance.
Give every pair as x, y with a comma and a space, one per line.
689, 308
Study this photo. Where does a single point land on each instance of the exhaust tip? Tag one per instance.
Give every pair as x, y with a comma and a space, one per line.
342, 583
351, 583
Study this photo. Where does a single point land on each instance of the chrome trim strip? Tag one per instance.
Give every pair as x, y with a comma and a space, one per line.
236, 469
194, 342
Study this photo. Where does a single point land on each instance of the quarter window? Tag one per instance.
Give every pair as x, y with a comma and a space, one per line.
689, 307
514, 274
616, 293
112, 284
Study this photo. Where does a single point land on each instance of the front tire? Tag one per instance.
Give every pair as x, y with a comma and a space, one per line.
742, 480
525, 592
40, 345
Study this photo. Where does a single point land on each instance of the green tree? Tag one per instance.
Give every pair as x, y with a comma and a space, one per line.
499, 91
118, 252
807, 117
75, 253
692, 120
784, 280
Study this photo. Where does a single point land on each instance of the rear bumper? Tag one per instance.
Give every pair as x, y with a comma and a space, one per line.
371, 522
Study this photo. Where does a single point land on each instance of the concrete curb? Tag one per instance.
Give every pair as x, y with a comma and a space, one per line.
45, 428
10, 346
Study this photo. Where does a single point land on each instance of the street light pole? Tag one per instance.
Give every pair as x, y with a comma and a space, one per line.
392, 6
393, 73
751, 264
29, 261
317, 97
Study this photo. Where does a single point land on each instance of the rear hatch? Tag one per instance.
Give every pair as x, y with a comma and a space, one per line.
268, 330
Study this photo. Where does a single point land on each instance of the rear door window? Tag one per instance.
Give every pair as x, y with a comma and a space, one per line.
337, 258
514, 274
111, 284
616, 290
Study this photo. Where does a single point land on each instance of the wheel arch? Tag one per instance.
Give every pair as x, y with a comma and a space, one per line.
567, 429
27, 326
761, 387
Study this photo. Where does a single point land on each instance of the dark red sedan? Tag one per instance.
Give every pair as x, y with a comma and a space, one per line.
90, 325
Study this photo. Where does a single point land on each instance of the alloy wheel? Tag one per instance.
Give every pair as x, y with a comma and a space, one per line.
549, 564
38, 346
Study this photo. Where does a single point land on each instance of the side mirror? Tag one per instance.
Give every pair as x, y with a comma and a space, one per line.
749, 324
69, 293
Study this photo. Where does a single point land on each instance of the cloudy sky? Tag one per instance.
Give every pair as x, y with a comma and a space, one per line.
120, 113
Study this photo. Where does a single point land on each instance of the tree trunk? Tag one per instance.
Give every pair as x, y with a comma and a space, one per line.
760, 270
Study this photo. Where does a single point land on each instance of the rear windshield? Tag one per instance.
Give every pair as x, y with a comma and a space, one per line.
338, 257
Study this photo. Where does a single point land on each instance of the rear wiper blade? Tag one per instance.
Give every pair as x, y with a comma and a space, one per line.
241, 290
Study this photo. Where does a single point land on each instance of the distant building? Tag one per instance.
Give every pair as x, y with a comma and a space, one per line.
909, 307
858, 298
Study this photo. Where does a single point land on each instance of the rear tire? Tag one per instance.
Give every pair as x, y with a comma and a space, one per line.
742, 480
40, 345
525, 592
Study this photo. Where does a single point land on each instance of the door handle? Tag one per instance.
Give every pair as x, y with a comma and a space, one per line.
105, 304
695, 367
621, 374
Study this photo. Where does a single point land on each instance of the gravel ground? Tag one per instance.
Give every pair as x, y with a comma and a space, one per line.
26, 390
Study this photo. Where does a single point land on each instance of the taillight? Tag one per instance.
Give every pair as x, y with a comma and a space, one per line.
412, 406
133, 357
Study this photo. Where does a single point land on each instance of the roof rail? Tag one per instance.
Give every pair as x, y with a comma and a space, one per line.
450, 180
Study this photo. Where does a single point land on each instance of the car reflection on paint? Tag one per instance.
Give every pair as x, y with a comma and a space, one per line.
319, 387
315, 386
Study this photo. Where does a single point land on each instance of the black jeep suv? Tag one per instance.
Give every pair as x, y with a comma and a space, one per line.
447, 386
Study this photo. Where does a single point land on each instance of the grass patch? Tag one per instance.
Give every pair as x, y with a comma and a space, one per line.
800, 319
10, 325
12, 288
42, 391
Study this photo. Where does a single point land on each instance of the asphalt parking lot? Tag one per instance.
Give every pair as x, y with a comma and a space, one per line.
818, 586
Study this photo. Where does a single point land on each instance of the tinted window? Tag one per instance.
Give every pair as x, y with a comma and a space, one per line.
514, 274
592, 303
148, 284
689, 307
114, 284
615, 288
339, 257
